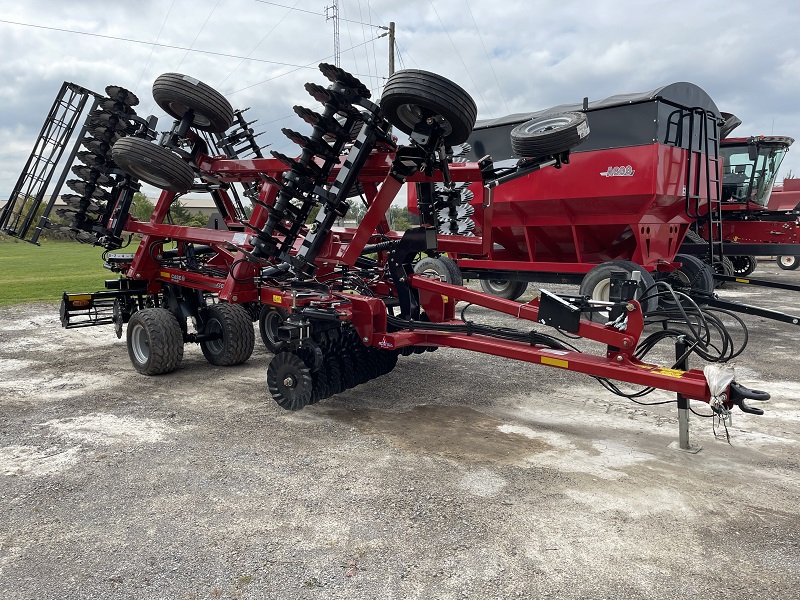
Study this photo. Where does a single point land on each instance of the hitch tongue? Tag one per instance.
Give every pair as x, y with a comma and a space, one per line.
740, 393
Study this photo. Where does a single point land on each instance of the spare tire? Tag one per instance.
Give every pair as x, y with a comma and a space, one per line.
549, 135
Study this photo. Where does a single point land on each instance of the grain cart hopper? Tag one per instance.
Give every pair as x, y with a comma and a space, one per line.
637, 183
648, 172
348, 300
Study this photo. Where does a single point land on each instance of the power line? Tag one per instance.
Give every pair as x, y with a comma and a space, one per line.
311, 65
469, 73
122, 39
274, 27
311, 12
480, 37
153, 49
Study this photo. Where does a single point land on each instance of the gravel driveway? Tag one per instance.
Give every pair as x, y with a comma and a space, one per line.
456, 476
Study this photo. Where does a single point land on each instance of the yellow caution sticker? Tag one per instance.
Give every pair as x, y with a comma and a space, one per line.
556, 362
445, 299
668, 372
277, 299
164, 274
742, 280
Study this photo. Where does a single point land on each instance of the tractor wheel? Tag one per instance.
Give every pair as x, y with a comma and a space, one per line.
442, 268
176, 94
237, 339
504, 288
153, 164
412, 96
269, 320
744, 265
155, 341
597, 285
549, 135
289, 381
788, 262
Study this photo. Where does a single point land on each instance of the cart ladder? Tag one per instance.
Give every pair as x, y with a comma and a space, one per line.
23, 205
703, 178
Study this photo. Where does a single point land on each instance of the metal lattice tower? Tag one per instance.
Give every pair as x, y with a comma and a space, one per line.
332, 13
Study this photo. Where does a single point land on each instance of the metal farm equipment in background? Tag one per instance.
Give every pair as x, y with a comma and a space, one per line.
339, 306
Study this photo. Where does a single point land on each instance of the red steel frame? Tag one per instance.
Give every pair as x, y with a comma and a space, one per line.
369, 314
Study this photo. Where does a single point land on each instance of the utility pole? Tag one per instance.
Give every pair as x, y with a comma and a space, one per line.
391, 47
332, 13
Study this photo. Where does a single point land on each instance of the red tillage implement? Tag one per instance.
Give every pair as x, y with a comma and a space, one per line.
338, 306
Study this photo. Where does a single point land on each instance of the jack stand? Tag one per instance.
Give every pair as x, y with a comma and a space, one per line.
682, 363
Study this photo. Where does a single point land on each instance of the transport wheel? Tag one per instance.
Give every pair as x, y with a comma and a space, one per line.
692, 276
442, 268
289, 381
597, 285
744, 265
270, 318
412, 96
153, 164
233, 323
155, 341
549, 135
176, 94
504, 288
788, 263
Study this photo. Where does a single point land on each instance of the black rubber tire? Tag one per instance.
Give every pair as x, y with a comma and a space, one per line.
270, 318
788, 262
289, 381
504, 288
176, 94
155, 341
153, 164
443, 268
692, 275
743, 265
549, 135
238, 339
347, 370
411, 96
596, 285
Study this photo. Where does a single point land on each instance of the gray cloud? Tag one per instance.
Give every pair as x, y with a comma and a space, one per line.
541, 54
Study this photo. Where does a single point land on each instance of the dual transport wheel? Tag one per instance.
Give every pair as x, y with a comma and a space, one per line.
788, 262
177, 95
155, 338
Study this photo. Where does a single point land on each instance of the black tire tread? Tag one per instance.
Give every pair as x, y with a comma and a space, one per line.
433, 91
166, 341
195, 95
153, 164
548, 143
238, 335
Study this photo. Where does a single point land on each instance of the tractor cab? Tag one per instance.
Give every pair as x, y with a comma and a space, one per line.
750, 167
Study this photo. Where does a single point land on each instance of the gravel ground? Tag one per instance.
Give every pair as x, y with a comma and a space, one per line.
456, 476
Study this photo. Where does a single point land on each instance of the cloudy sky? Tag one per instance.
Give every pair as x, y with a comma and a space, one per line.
511, 55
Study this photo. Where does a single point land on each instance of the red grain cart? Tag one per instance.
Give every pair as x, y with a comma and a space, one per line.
633, 188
